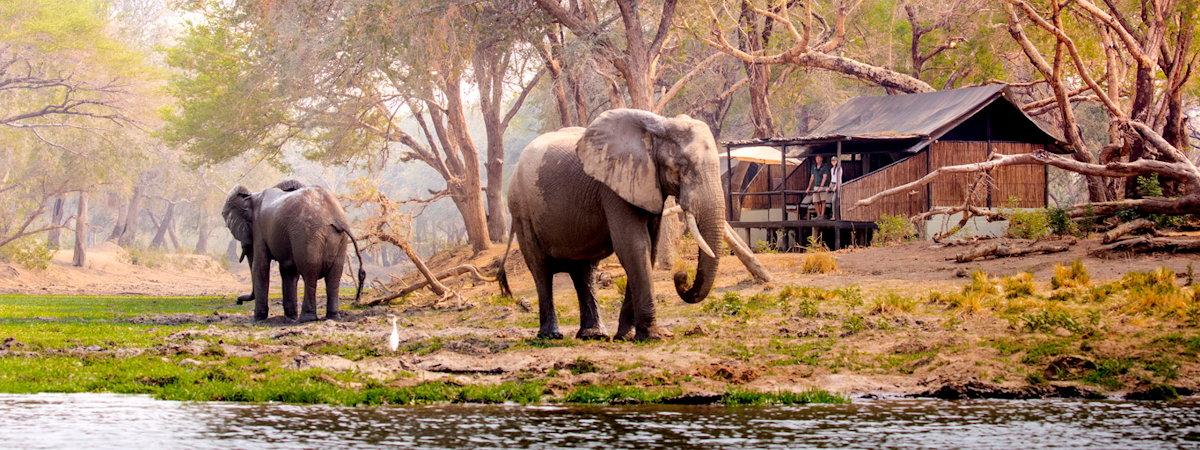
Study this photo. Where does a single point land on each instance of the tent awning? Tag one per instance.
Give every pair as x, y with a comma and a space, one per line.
761, 155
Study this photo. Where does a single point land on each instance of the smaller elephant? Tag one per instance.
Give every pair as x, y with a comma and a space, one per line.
305, 230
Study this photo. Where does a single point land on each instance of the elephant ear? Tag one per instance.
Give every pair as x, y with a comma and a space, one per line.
617, 149
237, 214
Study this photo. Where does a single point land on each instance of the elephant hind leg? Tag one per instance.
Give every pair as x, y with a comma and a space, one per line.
308, 311
290, 279
333, 287
590, 326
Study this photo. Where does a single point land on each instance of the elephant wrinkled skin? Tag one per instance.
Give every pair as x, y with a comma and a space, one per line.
579, 195
305, 230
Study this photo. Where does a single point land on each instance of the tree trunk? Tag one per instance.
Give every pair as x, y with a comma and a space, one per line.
119, 222
56, 217
81, 231
129, 231
474, 220
202, 231
753, 39
160, 237
231, 251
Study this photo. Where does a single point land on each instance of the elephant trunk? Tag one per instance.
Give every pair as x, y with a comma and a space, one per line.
709, 219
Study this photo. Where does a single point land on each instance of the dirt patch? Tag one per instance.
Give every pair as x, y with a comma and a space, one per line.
108, 271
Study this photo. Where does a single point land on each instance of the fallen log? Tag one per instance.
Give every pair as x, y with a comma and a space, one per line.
1147, 244
1006, 250
451, 272
1121, 230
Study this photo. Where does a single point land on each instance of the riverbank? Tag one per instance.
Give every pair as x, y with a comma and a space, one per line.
908, 325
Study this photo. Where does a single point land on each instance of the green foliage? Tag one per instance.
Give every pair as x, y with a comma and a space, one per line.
892, 229
1060, 222
1072, 276
1108, 372
1029, 224
225, 102
28, 252
1049, 319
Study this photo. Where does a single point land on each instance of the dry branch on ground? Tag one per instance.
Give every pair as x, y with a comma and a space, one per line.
1008, 249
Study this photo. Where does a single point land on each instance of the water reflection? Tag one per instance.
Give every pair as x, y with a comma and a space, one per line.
117, 421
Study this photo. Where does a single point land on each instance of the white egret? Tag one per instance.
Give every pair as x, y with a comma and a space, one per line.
394, 339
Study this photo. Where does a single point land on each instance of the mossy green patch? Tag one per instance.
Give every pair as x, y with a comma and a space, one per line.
755, 398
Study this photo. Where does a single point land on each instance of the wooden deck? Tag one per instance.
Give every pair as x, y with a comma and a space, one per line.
789, 235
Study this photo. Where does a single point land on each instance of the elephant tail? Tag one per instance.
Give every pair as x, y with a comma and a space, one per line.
362, 273
501, 275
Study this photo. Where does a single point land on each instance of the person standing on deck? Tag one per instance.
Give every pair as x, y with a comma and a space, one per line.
817, 183
835, 182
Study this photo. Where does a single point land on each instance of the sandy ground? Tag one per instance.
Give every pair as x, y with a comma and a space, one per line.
108, 271
842, 345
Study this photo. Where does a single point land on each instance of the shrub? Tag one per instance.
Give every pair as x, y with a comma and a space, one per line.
1061, 223
146, 257
1028, 224
980, 284
892, 303
1017, 286
28, 252
1154, 291
762, 246
892, 229
819, 262
1072, 276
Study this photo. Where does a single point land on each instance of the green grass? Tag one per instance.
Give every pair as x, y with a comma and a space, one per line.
36, 335
238, 379
85, 308
618, 394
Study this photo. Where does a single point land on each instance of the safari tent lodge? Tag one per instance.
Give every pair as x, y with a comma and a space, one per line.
883, 142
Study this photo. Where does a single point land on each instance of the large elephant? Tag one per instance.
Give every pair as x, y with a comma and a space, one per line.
305, 230
579, 195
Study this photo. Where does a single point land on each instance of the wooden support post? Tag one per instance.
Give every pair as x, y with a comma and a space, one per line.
837, 194
728, 184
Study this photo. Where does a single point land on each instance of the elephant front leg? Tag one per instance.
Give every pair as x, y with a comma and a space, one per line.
631, 242
260, 279
290, 280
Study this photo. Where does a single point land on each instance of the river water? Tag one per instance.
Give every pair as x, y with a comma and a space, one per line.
128, 421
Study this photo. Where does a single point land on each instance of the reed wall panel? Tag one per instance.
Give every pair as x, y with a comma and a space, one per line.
1025, 183
904, 204
951, 190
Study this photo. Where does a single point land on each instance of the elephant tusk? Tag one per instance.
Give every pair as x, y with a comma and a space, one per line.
691, 221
